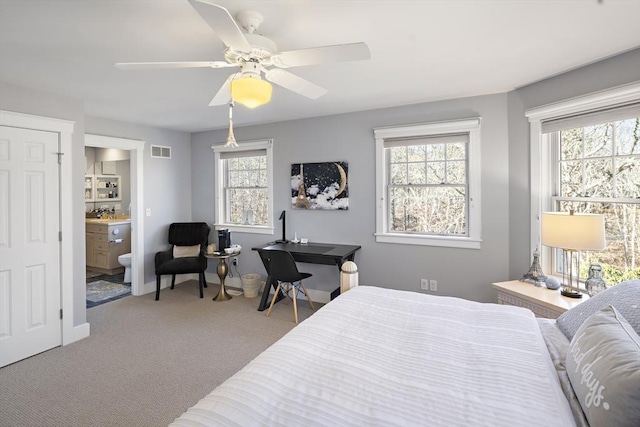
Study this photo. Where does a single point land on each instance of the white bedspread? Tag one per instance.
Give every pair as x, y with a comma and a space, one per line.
379, 357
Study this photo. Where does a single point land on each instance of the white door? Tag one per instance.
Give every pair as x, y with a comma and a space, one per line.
29, 243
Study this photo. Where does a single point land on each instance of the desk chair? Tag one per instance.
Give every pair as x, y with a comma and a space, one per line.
283, 268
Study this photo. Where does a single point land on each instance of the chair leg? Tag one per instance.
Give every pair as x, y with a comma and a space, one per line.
285, 291
157, 287
173, 281
273, 300
304, 289
201, 285
295, 304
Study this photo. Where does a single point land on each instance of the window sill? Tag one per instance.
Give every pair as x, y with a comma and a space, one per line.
238, 228
448, 242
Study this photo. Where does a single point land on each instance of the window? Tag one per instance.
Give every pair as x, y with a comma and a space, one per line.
589, 161
244, 182
428, 184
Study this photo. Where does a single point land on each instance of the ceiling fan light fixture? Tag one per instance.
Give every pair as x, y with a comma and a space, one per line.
251, 91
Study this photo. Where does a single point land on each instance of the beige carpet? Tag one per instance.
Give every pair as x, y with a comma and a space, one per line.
145, 362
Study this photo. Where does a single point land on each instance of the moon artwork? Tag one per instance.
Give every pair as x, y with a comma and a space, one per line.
320, 186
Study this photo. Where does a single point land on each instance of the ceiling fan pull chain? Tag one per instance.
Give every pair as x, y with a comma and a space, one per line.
231, 139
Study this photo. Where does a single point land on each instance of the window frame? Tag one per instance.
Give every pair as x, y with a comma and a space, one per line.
543, 156
469, 126
221, 207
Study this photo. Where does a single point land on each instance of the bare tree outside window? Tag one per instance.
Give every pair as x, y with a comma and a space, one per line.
246, 190
599, 172
428, 188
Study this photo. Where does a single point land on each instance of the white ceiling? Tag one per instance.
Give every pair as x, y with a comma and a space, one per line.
421, 51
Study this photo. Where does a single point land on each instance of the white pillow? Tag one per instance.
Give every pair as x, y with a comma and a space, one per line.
186, 251
603, 364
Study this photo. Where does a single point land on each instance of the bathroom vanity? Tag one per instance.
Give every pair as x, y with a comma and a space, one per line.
106, 240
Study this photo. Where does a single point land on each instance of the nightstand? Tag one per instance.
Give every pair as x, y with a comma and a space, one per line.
542, 301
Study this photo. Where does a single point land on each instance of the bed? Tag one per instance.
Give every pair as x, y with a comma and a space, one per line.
381, 357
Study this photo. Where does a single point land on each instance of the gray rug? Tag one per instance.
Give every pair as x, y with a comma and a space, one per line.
102, 290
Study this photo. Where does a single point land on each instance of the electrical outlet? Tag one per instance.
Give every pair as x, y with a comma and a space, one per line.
433, 285
235, 261
424, 284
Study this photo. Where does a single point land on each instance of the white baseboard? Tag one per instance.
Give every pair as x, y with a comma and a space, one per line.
322, 297
231, 282
76, 334
165, 282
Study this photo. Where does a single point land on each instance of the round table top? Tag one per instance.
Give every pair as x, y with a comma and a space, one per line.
221, 255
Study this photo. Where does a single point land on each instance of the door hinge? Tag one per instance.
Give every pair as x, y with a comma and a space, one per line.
60, 158
61, 314
59, 236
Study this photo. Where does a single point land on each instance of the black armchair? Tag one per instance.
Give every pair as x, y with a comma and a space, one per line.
184, 234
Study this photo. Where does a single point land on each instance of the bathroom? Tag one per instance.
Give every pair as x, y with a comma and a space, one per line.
107, 224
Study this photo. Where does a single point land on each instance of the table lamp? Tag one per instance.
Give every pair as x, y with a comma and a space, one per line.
572, 233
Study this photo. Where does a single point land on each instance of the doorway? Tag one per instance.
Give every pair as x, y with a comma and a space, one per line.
135, 148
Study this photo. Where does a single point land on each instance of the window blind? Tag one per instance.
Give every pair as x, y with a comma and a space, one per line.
462, 138
242, 153
620, 112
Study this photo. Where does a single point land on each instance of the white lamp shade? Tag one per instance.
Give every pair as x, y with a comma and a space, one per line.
576, 232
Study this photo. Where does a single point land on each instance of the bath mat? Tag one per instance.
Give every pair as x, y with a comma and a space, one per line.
101, 290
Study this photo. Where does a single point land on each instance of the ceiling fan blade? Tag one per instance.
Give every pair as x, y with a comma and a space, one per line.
224, 93
167, 65
223, 24
294, 83
321, 55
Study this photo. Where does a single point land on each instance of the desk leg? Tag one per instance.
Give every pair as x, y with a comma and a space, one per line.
222, 273
265, 293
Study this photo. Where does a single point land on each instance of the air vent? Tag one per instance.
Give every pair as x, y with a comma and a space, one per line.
160, 151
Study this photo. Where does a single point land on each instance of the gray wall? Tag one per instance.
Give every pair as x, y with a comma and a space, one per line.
349, 137
167, 182
612, 72
29, 101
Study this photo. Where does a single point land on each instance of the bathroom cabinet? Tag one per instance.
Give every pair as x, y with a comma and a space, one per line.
102, 188
105, 242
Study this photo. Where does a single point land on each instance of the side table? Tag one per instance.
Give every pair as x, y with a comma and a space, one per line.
542, 301
222, 270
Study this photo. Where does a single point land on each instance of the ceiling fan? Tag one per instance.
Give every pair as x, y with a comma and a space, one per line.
255, 55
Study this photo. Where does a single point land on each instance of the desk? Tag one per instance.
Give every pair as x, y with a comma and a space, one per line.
222, 273
313, 253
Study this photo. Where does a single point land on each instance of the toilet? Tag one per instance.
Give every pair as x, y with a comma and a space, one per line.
125, 261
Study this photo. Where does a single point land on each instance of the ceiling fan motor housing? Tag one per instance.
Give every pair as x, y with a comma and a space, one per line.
251, 69
261, 50
250, 20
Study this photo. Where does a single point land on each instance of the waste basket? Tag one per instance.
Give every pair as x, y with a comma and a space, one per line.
250, 284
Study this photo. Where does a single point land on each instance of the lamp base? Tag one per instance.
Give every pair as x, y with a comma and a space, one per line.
570, 293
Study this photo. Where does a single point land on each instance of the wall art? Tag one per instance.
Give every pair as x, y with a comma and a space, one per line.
320, 186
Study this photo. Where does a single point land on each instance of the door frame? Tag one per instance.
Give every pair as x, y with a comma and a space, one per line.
64, 129
136, 149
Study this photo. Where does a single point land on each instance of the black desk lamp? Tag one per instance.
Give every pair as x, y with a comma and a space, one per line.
283, 216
